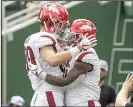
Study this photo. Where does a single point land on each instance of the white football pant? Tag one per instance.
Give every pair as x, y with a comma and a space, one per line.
48, 99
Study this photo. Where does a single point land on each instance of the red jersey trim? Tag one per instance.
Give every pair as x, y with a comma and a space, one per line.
82, 55
52, 39
50, 99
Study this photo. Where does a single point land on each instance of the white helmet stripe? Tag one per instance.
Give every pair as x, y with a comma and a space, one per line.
45, 25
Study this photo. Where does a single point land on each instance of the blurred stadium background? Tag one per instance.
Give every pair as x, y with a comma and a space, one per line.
114, 22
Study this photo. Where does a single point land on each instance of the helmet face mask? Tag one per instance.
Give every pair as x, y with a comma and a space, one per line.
70, 39
59, 27
77, 30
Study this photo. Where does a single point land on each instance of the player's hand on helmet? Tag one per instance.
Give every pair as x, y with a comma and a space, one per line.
87, 42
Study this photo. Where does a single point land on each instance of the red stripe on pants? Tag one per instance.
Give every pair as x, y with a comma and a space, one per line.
91, 103
50, 99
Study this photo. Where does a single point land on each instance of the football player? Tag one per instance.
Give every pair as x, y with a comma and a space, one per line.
44, 55
87, 92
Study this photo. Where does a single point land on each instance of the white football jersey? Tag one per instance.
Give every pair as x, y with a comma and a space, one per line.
88, 87
67, 70
35, 64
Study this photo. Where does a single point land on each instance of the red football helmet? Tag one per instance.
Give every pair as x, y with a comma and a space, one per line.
77, 30
54, 17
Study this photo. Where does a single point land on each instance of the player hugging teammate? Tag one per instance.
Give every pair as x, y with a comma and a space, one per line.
63, 70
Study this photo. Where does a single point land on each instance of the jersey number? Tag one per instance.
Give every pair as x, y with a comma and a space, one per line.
64, 69
30, 59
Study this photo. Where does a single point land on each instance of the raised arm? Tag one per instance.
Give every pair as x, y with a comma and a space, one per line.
127, 87
78, 69
54, 59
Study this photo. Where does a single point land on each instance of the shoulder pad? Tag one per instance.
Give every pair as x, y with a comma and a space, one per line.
45, 39
87, 56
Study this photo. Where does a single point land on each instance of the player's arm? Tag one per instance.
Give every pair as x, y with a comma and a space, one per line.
127, 88
54, 59
78, 69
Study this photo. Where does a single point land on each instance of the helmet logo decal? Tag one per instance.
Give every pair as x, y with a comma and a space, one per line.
86, 28
53, 9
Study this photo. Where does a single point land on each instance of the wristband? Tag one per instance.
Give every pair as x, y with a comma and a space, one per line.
74, 51
43, 75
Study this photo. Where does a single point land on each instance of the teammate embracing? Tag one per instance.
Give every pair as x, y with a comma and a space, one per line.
87, 91
44, 55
